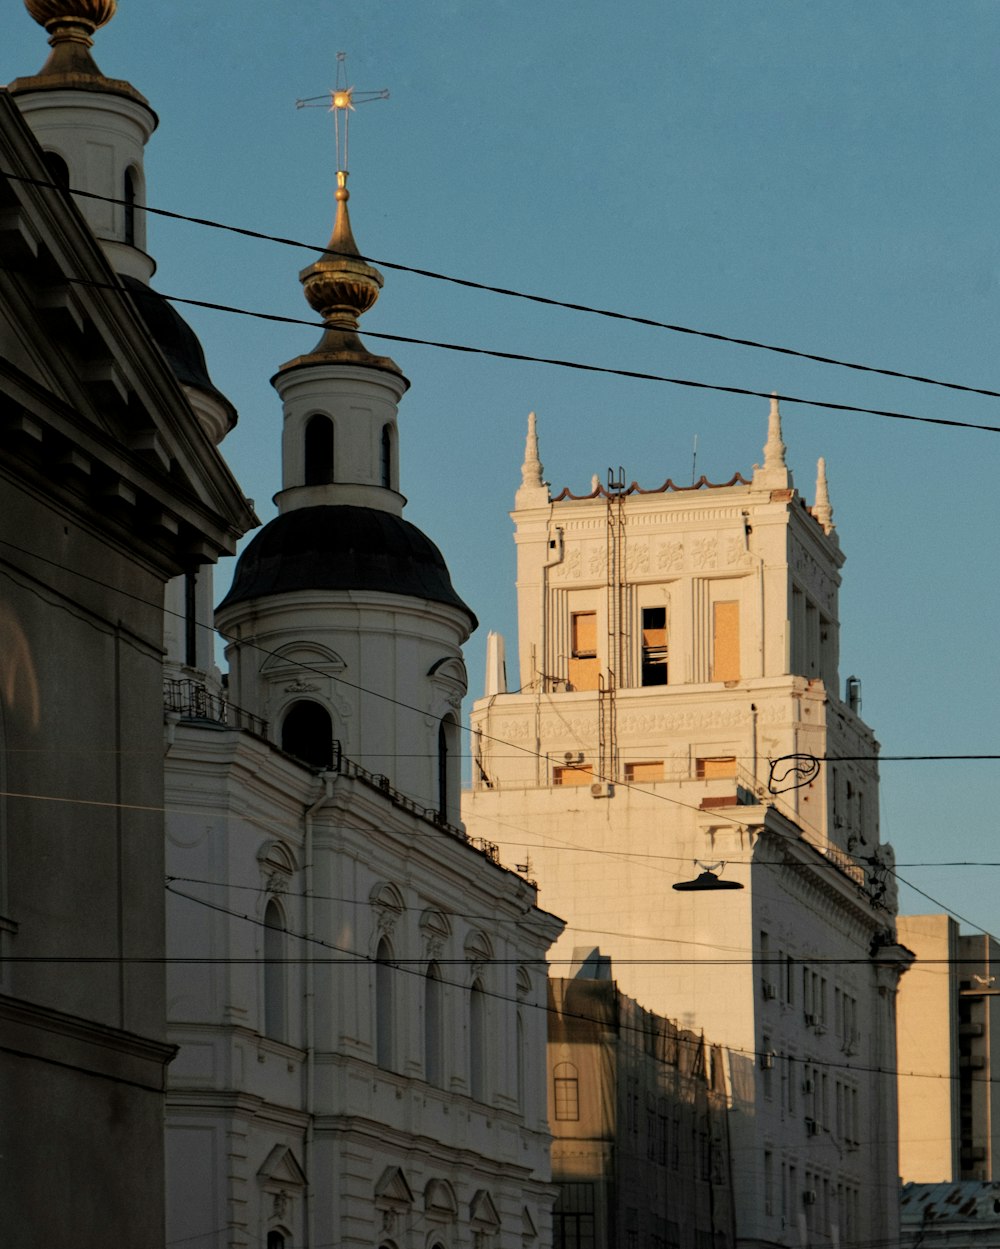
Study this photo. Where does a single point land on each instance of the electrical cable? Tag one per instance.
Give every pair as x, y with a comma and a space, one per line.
578, 365
509, 292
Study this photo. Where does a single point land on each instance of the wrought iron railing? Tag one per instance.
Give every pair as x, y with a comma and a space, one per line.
192, 700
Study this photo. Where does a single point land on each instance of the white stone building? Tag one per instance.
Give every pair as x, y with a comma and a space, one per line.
672, 641
358, 991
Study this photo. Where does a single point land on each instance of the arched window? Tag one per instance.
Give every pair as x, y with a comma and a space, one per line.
432, 1025
566, 1092
129, 198
477, 1041
275, 1240
58, 169
447, 769
386, 458
307, 733
319, 451
384, 1005
274, 973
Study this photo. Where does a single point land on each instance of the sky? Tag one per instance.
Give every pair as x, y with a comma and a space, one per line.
815, 176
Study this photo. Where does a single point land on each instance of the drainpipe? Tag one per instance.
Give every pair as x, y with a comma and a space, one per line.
327, 779
541, 662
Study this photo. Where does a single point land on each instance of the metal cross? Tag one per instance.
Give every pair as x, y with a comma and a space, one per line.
342, 99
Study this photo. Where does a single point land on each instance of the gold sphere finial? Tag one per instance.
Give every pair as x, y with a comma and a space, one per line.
341, 286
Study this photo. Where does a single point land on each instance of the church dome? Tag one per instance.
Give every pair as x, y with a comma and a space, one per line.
341, 547
176, 339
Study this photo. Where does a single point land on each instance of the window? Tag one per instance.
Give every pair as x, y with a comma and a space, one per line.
307, 733
520, 1058
566, 1092
432, 1025
654, 646
573, 1217
583, 654
274, 972
275, 1240
384, 1005
447, 771
385, 466
715, 769
637, 773
58, 169
577, 774
477, 1041
726, 641
129, 198
191, 619
319, 451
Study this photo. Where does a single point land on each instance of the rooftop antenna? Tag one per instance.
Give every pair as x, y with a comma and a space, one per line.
694, 460
342, 99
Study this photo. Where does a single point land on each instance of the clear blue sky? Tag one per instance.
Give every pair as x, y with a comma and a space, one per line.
822, 176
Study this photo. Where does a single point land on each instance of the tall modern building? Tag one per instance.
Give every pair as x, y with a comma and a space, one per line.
110, 488
949, 1015
357, 988
679, 705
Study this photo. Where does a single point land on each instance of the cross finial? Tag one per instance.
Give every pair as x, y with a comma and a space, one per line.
342, 99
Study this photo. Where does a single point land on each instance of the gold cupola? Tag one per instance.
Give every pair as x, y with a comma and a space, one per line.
70, 25
341, 287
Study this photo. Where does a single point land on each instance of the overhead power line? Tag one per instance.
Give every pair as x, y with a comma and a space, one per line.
513, 293
827, 405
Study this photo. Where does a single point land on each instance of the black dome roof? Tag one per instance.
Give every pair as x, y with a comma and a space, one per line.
338, 547
175, 338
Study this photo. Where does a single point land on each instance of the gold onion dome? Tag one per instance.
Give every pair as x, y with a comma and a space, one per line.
341, 287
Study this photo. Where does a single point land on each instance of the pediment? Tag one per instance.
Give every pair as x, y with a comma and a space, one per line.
276, 855
384, 896
99, 414
393, 1189
483, 1212
478, 947
529, 1231
282, 1168
449, 671
440, 1200
297, 658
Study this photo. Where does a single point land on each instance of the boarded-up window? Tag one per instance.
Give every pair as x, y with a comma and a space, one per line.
583, 653
639, 772
715, 769
726, 641
578, 774
654, 646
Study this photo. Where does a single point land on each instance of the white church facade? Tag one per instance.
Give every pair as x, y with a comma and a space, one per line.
672, 642
357, 990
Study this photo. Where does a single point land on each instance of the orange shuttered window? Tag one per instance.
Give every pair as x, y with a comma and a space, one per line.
639, 772
583, 775
583, 656
726, 641
715, 769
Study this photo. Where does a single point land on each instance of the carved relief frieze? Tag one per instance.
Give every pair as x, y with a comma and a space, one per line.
737, 554
571, 568
670, 556
597, 564
637, 558
813, 577
705, 552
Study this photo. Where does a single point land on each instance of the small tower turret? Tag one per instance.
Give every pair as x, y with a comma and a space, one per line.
775, 473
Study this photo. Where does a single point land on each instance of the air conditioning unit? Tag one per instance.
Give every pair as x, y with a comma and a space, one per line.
770, 991
812, 1127
602, 789
809, 1197
573, 756
767, 1060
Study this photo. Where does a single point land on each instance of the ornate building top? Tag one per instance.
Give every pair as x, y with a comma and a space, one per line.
70, 25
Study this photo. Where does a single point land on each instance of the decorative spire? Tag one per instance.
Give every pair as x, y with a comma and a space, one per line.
774, 474
534, 490
822, 509
774, 448
531, 469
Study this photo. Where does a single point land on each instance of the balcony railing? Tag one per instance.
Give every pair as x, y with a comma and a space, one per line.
192, 700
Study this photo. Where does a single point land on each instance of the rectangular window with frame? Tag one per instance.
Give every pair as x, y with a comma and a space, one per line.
654, 646
637, 773
721, 768
573, 774
566, 1089
583, 669
726, 641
